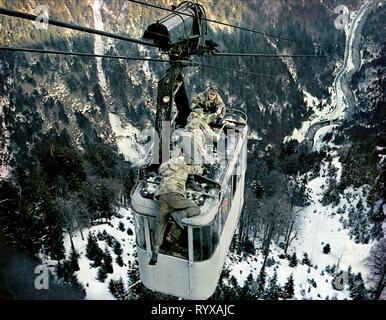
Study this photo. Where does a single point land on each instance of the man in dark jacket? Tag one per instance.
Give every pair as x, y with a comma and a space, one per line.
211, 103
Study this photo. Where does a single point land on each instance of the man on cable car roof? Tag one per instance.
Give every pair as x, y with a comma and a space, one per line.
172, 196
193, 138
211, 103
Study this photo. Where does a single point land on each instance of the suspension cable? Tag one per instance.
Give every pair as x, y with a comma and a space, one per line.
91, 55
195, 64
67, 25
267, 55
81, 54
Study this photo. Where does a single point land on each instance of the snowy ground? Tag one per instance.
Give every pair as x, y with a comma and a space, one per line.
319, 225
126, 139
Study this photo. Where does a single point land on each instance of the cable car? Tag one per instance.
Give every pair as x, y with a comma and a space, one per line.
191, 268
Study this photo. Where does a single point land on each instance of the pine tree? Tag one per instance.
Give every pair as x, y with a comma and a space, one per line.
93, 252
121, 226
119, 261
260, 281
288, 290
58, 250
64, 270
327, 249
102, 273
130, 231
117, 248
117, 289
306, 260
273, 290
98, 260
249, 291
91, 247
110, 240
74, 257
293, 260
67, 278
108, 261
357, 288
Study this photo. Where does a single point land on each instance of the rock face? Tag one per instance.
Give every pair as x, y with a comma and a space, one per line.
77, 94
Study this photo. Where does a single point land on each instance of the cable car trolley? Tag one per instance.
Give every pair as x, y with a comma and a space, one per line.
180, 32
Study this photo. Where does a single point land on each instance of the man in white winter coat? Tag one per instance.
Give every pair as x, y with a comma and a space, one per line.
172, 197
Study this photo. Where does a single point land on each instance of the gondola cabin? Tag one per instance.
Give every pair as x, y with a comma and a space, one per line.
191, 267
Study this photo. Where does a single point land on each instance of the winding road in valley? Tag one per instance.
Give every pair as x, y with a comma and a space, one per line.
344, 97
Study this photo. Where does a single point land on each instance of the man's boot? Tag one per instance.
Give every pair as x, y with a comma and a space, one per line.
154, 259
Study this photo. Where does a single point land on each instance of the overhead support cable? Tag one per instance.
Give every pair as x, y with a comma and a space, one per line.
195, 64
81, 54
267, 55
72, 26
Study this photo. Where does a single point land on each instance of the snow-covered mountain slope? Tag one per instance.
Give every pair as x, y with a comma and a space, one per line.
319, 225
119, 229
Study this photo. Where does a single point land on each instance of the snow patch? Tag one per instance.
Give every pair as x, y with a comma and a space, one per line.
126, 139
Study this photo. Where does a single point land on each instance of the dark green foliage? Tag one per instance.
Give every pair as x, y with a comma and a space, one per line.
273, 290
249, 290
93, 252
121, 226
357, 288
117, 248
108, 261
102, 236
65, 162
248, 247
119, 261
261, 279
29, 226
73, 84
356, 170
102, 273
331, 269
306, 260
327, 249
312, 283
288, 289
67, 278
293, 260
117, 289
74, 257
103, 159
